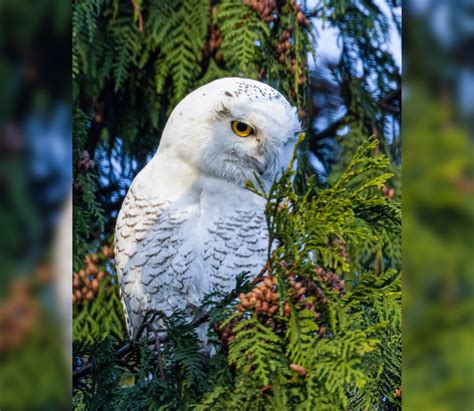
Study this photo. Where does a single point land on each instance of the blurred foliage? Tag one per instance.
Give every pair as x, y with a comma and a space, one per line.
32, 86
439, 276
438, 209
34, 82
33, 366
32, 374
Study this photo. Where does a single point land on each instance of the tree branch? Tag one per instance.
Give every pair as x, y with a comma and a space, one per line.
87, 368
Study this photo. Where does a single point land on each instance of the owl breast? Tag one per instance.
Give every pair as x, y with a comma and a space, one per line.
169, 254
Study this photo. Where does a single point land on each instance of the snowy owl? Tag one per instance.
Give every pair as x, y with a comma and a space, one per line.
188, 225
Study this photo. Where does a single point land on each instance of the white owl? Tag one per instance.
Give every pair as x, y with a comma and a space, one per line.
188, 225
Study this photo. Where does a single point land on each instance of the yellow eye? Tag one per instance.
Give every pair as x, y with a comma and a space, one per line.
241, 129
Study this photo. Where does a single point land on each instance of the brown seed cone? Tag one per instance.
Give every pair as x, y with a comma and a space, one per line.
212, 45
298, 368
100, 275
301, 291
300, 18
105, 250
95, 284
272, 310
78, 295
268, 282
89, 296
258, 292
87, 282
281, 58
91, 269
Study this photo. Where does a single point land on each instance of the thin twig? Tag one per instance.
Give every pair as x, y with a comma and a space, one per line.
160, 360
138, 13
259, 277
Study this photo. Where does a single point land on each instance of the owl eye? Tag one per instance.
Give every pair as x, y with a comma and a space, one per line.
241, 129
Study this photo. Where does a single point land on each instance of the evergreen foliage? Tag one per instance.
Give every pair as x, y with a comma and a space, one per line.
325, 347
101, 316
334, 234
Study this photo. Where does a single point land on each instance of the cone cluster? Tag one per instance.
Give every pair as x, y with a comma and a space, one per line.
263, 298
18, 314
264, 8
83, 166
388, 191
85, 163
225, 333
301, 19
86, 282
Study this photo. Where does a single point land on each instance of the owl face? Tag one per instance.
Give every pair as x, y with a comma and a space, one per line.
234, 129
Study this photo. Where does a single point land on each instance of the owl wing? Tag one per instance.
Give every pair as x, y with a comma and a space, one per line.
152, 257
238, 243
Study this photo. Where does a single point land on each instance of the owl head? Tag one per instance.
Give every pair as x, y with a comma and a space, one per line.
234, 129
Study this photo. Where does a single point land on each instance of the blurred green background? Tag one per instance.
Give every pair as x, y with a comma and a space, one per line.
438, 207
